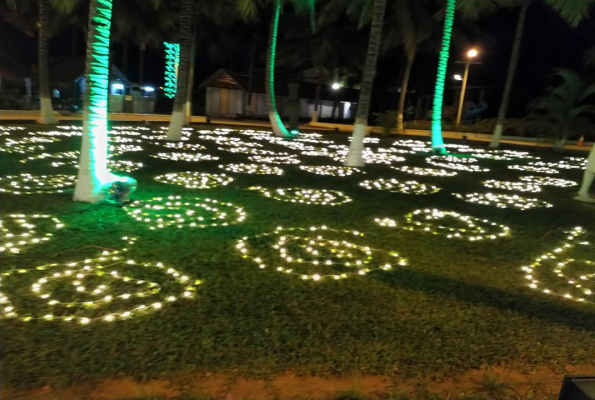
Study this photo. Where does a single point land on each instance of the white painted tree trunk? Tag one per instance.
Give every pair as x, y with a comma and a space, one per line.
588, 177
175, 126
46, 112
314, 116
356, 148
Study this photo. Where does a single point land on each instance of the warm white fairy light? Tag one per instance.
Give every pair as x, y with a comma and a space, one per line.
426, 220
114, 150
113, 165
274, 159
503, 200
575, 278
305, 196
514, 186
565, 163
250, 150
103, 289
253, 169
458, 166
454, 159
20, 230
180, 212
396, 186
370, 157
534, 168
425, 171
311, 255
188, 157
36, 184
181, 146
26, 145
548, 181
194, 180
330, 170
8, 130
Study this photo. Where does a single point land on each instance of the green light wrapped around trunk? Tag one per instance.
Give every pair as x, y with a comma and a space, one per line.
172, 60
437, 142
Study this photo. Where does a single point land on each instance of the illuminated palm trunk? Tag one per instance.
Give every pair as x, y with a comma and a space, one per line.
403, 94
93, 173
276, 123
45, 99
178, 115
437, 142
355, 156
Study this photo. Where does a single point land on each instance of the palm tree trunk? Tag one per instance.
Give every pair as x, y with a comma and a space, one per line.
514, 60
317, 97
403, 96
47, 111
276, 123
355, 157
141, 63
178, 116
93, 173
248, 93
191, 77
437, 141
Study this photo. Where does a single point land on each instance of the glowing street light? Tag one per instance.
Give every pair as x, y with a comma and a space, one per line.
458, 77
470, 55
336, 86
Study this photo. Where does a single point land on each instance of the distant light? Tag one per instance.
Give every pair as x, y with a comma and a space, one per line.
149, 89
336, 86
118, 86
472, 53
294, 132
458, 77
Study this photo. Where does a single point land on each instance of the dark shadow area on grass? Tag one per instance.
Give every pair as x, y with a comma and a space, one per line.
546, 307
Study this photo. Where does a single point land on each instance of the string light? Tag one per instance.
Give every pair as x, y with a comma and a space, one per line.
424, 220
181, 146
395, 186
425, 171
458, 166
453, 159
566, 163
250, 150
174, 211
579, 287
503, 200
305, 196
330, 170
189, 157
548, 181
114, 150
172, 60
194, 180
300, 251
253, 169
8, 130
26, 145
274, 159
516, 186
534, 168
113, 165
97, 288
19, 230
36, 184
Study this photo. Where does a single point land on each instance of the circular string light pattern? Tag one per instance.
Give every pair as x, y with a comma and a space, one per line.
515, 186
428, 220
453, 159
274, 159
467, 167
253, 169
425, 171
108, 288
181, 146
26, 145
194, 180
188, 157
194, 213
534, 168
250, 150
36, 184
396, 186
20, 230
370, 157
305, 196
503, 200
548, 181
330, 170
566, 163
316, 254
557, 274
8, 130
113, 165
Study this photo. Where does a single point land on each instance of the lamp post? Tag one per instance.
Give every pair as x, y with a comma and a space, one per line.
470, 55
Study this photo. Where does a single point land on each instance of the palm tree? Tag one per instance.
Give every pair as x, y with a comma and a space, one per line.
355, 156
437, 141
565, 105
573, 12
93, 173
178, 116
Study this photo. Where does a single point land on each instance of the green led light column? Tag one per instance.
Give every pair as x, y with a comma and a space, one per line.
437, 142
172, 60
93, 173
276, 123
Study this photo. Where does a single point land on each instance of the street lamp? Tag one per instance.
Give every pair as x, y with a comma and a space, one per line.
336, 86
458, 77
471, 54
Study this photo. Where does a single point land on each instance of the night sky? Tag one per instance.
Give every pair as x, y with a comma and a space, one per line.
548, 43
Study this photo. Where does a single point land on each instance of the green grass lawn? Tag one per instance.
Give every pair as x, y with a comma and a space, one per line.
456, 305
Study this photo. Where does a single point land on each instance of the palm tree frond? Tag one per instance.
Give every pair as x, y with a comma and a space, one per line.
573, 11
